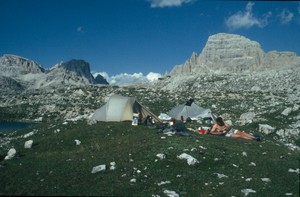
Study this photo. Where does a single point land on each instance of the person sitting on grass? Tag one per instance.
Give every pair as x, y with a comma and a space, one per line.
222, 128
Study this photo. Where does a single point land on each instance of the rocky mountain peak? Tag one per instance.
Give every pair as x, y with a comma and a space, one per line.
231, 53
12, 65
101, 80
78, 66
17, 72
73, 72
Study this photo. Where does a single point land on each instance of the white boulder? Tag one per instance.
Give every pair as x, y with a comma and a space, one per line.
10, 154
287, 111
247, 117
77, 142
266, 129
28, 144
190, 160
161, 155
98, 168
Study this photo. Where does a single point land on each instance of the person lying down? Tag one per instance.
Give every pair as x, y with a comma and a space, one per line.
222, 128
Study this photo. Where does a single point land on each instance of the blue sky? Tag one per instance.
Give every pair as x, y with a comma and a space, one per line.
139, 36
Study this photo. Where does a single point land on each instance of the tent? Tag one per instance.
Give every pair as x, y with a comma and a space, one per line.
120, 108
190, 110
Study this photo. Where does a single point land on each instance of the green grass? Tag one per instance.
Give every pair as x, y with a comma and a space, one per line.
56, 166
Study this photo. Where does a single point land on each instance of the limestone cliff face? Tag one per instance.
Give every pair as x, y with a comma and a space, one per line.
230, 53
187, 67
275, 59
12, 65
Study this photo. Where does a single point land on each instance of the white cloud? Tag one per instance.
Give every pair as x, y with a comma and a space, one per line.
168, 3
103, 74
153, 76
246, 19
286, 16
125, 78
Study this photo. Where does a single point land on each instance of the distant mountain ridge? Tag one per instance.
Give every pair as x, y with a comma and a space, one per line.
21, 73
12, 65
231, 53
101, 80
222, 54
73, 72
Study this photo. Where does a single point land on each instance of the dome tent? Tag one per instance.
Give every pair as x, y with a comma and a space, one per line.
190, 110
120, 108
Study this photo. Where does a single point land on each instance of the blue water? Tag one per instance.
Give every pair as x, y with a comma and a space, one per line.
13, 126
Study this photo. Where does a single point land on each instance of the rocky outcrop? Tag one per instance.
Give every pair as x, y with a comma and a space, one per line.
73, 72
187, 67
18, 73
275, 59
230, 53
9, 83
101, 80
12, 65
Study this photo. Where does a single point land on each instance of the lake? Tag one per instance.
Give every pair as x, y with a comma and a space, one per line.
9, 126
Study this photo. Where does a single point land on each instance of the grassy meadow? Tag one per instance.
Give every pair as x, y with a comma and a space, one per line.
56, 166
